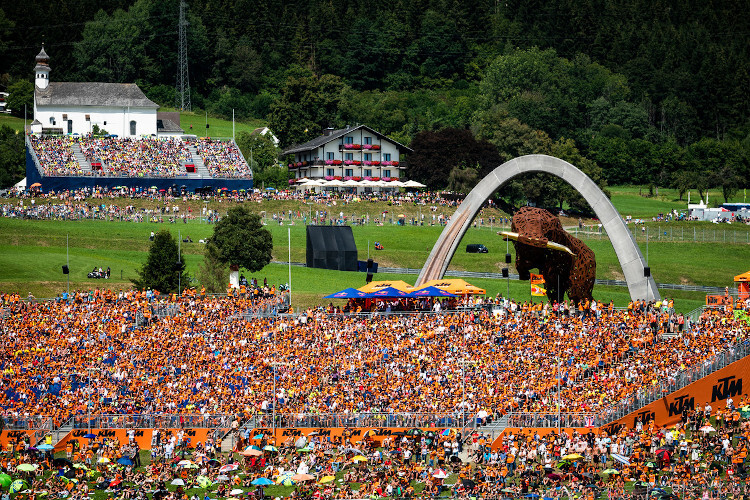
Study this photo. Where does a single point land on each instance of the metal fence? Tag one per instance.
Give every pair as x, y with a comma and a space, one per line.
553, 420
27, 423
144, 421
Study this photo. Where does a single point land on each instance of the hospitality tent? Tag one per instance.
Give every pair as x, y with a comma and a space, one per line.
455, 286
374, 286
431, 291
743, 285
389, 292
347, 293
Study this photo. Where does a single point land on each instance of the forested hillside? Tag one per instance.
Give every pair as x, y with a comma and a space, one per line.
648, 92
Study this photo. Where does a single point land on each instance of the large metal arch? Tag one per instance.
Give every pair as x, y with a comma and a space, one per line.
626, 249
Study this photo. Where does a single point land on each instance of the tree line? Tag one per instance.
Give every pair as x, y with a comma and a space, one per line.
642, 92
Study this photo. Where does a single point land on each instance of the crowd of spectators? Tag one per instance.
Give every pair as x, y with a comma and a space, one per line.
137, 157
55, 155
514, 360
223, 159
145, 157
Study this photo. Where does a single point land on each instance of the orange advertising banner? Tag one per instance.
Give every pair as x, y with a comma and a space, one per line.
714, 389
142, 436
354, 435
14, 436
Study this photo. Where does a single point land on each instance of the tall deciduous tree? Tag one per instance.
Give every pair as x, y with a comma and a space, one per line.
240, 240
11, 157
164, 269
307, 105
21, 98
436, 154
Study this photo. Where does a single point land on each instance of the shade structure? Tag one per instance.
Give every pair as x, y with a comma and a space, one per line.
347, 293
413, 184
431, 291
377, 285
351, 183
335, 183
389, 292
456, 286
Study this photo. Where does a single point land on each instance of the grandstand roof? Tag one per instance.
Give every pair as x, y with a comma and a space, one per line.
336, 134
164, 125
93, 94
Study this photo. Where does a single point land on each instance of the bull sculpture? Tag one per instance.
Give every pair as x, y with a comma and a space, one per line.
566, 263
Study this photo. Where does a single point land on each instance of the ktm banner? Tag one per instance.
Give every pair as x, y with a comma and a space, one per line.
719, 300
537, 280
714, 389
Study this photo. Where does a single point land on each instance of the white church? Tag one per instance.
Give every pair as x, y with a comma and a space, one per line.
121, 109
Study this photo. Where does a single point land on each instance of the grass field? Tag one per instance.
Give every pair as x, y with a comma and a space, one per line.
32, 253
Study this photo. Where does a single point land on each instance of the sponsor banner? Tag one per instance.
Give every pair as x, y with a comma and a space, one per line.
142, 436
714, 389
353, 435
12, 437
719, 300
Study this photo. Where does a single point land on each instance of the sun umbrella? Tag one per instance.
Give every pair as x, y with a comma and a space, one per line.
5, 480
446, 432
554, 477
228, 468
301, 442
90, 436
251, 453
258, 436
706, 429
45, 447
304, 450
285, 479
302, 477
610, 471
184, 462
268, 447
650, 464
621, 458
17, 486
203, 481
213, 463
327, 479
236, 492
103, 460
222, 478
191, 466
262, 481
468, 484
27, 467
572, 456
124, 461
80, 466
36, 184
353, 450
663, 454
178, 482
115, 482
359, 458
439, 474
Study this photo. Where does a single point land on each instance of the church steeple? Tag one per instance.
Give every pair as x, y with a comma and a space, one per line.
42, 69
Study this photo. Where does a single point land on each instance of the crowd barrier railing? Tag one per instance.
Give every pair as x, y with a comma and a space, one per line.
41, 422
145, 421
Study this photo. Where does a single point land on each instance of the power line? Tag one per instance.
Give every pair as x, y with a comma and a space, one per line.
183, 80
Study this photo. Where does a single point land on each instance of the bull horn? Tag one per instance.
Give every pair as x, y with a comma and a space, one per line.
550, 244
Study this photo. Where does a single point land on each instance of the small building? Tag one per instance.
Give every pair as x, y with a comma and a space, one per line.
352, 154
266, 132
122, 109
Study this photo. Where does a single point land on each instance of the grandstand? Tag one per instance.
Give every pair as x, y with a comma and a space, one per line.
70, 162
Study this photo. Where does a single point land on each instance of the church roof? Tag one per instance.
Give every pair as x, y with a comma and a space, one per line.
164, 126
93, 94
42, 57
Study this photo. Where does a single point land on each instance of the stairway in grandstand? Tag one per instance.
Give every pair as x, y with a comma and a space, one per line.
200, 168
80, 158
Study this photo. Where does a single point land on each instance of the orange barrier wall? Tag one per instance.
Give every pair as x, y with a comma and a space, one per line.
714, 389
142, 436
357, 434
11, 436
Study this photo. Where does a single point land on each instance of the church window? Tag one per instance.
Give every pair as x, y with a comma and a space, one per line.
132, 127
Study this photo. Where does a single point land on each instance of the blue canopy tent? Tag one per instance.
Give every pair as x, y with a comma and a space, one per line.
388, 292
347, 293
431, 291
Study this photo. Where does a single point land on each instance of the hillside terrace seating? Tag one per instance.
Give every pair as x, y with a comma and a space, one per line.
56, 156
137, 157
222, 158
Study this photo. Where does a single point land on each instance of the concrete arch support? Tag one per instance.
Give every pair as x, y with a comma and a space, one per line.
627, 251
